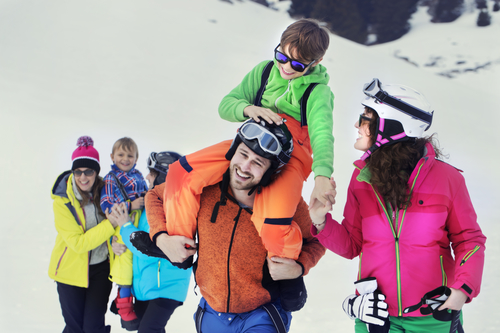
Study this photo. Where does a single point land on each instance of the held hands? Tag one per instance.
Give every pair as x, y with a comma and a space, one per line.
256, 112
118, 248
119, 215
317, 208
325, 191
370, 306
283, 268
174, 247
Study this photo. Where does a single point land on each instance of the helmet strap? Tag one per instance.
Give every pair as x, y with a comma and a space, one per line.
388, 132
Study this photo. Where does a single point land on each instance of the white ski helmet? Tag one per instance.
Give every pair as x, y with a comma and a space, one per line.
403, 112
400, 103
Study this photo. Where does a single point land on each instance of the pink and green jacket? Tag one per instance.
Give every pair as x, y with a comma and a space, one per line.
408, 251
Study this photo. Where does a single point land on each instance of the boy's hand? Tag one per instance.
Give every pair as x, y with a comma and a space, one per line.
324, 190
118, 248
138, 203
256, 112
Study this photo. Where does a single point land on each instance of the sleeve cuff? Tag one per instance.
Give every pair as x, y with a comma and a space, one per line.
158, 234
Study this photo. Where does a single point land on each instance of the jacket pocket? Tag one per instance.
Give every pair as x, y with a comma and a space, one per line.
359, 265
469, 254
60, 260
443, 272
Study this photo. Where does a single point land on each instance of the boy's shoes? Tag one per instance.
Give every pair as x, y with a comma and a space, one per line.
143, 243
293, 294
125, 308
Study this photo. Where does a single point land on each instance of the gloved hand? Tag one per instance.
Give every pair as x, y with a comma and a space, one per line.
141, 241
369, 306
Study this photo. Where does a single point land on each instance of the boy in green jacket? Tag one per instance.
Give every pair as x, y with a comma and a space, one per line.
296, 66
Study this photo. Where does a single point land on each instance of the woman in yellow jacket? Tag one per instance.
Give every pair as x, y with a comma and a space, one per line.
80, 258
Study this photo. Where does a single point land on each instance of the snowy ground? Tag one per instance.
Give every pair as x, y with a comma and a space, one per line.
156, 71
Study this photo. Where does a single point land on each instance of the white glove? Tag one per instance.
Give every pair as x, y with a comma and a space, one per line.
369, 306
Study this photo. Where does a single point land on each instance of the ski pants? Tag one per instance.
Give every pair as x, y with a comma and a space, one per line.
154, 314
273, 208
256, 321
411, 325
83, 309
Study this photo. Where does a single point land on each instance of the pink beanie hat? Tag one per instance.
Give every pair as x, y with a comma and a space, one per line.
85, 156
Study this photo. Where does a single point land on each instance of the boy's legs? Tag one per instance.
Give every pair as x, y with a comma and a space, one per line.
185, 182
275, 207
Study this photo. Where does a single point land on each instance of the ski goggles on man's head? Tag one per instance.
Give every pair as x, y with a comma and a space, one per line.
166, 160
268, 142
296, 65
374, 90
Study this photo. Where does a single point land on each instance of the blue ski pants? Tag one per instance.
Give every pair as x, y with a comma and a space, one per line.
256, 321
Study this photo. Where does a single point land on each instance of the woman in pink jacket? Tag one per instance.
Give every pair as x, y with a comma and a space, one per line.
404, 209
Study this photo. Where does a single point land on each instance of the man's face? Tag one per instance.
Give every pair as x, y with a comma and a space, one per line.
246, 168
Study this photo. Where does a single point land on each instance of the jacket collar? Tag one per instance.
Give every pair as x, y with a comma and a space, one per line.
119, 171
422, 168
61, 188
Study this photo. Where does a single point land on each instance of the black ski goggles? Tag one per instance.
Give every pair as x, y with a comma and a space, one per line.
268, 142
296, 65
166, 160
374, 90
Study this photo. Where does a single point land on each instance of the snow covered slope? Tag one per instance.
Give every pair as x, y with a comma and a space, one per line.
155, 70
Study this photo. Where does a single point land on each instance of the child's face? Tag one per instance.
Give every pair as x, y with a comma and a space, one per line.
286, 70
124, 159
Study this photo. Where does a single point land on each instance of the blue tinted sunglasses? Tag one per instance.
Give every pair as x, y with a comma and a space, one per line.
296, 65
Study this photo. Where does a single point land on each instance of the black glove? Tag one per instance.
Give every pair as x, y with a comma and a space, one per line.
141, 241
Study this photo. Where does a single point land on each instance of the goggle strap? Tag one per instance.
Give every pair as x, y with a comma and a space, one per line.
404, 107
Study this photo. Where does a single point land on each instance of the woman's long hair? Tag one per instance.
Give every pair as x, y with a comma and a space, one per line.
94, 195
392, 165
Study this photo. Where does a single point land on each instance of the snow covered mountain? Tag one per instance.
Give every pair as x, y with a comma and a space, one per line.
155, 70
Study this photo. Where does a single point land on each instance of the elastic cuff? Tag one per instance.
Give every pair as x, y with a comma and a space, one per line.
158, 234
127, 224
301, 266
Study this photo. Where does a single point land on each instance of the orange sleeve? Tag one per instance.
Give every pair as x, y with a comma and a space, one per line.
154, 211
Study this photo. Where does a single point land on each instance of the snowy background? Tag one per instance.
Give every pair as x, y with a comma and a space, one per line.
155, 70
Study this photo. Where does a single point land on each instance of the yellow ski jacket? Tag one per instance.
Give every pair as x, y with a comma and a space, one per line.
69, 262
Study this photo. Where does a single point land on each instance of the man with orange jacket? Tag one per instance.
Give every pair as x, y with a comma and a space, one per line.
242, 288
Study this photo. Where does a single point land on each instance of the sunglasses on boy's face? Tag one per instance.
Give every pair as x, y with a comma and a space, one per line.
88, 173
296, 65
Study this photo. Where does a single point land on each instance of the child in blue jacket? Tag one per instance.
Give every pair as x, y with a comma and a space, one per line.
159, 287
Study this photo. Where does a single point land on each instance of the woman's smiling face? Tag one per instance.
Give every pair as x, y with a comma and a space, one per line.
363, 142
